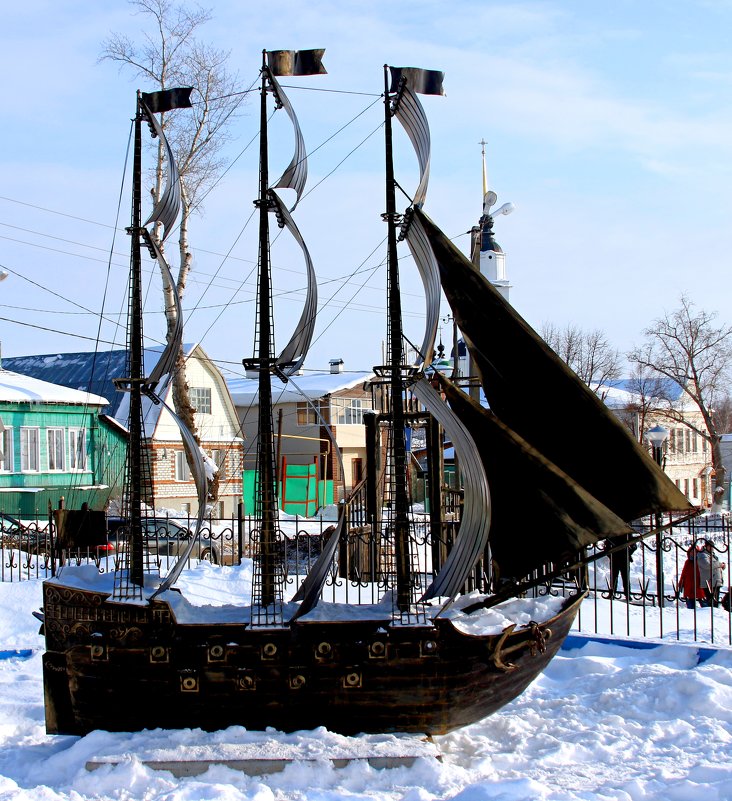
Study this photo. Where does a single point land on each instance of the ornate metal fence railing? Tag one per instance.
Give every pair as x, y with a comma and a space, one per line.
650, 605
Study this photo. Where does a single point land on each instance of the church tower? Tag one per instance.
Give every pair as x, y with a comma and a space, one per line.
486, 253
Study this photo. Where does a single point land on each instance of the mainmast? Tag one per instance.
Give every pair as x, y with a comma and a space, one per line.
400, 498
266, 586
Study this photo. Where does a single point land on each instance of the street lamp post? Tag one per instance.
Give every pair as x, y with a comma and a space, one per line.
657, 436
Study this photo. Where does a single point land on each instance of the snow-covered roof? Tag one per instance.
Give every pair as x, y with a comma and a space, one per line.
83, 371
313, 385
17, 388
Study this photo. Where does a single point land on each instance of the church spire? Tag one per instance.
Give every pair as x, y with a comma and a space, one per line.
486, 253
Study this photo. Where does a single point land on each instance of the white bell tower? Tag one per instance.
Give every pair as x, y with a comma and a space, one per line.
487, 254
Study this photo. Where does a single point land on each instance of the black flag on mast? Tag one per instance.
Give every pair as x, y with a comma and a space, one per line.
296, 62
168, 99
424, 82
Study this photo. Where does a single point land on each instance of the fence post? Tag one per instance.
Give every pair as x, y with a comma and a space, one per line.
240, 530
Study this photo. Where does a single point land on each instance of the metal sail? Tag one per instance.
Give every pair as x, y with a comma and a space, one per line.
476, 516
424, 258
167, 208
512, 360
165, 213
522, 478
293, 354
201, 479
166, 362
296, 174
410, 113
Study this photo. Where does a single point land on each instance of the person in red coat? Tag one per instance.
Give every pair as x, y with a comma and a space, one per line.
690, 586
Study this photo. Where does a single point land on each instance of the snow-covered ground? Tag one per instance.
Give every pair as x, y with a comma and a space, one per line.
603, 722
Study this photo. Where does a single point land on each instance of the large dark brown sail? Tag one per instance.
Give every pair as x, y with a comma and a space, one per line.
537, 395
525, 486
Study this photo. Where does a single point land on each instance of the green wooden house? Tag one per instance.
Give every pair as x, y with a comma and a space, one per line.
54, 444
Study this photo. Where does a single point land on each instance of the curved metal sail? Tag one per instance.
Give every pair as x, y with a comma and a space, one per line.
166, 362
167, 208
296, 173
476, 518
424, 258
311, 588
201, 479
166, 213
293, 354
410, 113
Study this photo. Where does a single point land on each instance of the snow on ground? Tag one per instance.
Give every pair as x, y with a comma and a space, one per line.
604, 723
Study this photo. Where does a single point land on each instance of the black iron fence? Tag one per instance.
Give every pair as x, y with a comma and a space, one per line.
643, 600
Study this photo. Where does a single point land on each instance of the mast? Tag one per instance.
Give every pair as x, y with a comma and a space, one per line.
135, 372
394, 340
266, 495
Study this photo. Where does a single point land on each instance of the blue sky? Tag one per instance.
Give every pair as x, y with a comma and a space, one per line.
609, 125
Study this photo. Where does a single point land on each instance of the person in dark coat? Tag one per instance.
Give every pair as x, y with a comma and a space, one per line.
690, 585
620, 562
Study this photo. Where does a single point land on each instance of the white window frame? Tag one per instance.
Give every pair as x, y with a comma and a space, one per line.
7, 463
200, 398
30, 449
182, 471
77, 450
56, 449
348, 411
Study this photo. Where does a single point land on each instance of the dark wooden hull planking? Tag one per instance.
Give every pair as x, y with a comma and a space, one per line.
127, 667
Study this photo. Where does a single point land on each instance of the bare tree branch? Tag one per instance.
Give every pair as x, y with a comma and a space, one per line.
168, 55
688, 349
588, 353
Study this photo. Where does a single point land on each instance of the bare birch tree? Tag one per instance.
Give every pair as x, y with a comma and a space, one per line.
588, 353
688, 348
167, 55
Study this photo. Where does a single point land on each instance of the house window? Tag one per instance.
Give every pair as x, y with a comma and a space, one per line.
679, 439
56, 450
6, 457
695, 488
348, 411
306, 415
30, 450
200, 398
219, 459
688, 440
77, 449
686, 487
672, 441
182, 473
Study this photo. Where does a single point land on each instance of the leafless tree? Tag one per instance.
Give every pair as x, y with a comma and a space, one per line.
167, 55
688, 349
647, 391
588, 353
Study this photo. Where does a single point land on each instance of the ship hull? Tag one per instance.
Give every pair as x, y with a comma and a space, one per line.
126, 667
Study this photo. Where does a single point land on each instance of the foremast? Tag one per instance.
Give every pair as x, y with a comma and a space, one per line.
267, 585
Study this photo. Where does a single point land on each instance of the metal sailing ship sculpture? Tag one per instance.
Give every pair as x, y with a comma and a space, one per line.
135, 655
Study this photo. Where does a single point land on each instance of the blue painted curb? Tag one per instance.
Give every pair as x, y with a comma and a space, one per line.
21, 653
576, 641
